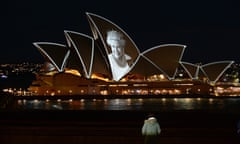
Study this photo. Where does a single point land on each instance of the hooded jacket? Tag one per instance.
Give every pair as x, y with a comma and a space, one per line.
151, 127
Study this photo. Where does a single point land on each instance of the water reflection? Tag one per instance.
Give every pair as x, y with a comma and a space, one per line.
153, 104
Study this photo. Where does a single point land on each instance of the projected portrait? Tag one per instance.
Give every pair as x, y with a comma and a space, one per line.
117, 57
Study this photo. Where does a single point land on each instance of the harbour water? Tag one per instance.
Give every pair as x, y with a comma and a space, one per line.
228, 105
119, 120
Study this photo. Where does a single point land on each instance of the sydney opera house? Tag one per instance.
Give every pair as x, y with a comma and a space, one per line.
110, 63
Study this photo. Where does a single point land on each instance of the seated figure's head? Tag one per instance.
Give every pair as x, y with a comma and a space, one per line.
116, 42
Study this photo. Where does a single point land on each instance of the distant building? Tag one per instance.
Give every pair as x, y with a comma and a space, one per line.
83, 66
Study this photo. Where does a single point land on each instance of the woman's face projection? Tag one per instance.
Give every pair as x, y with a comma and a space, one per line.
117, 49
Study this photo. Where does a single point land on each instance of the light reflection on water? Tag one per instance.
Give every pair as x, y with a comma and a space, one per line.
153, 104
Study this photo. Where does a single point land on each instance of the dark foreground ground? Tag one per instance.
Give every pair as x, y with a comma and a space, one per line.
115, 127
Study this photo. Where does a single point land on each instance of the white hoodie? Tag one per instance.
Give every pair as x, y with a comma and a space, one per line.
151, 127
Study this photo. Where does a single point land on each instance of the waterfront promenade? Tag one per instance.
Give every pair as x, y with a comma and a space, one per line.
114, 127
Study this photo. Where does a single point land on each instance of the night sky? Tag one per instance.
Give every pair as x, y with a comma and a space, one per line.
209, 29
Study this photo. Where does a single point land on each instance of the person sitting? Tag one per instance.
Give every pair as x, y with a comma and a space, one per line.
150, 130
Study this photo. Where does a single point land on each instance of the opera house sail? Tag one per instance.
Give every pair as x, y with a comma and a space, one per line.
110, 63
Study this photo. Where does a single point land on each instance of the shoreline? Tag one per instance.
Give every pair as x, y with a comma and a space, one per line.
72, 127
67, 97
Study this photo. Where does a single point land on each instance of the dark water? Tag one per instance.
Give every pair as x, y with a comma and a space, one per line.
231, 105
